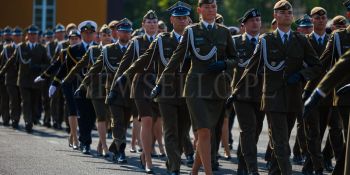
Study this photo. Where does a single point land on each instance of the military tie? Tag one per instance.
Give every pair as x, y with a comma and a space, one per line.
253, 41
285, 39
87, 47
150, 38
123, 49
31, 46
178, 38
209, 27
320, 41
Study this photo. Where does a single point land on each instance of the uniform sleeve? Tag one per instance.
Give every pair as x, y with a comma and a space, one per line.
53, 68
138, 66
231, 62
313, 69
337, 74
8, 63
95, 69
78, 67
62, 71
177, 57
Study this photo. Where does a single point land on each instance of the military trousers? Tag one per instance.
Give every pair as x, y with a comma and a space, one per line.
176, 125
86, 120
250, 119
300, 146
344, 112
280, 125
15, 102
30, 103
45, 102
120, 120
4, 103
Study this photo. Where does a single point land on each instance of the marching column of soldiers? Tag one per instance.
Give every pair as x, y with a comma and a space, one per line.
197, 78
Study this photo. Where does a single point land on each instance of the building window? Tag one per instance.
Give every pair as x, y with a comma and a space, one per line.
44, 13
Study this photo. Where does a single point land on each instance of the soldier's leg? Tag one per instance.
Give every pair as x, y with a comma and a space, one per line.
86, 120
46, 104
171, 125
35, 103
5, 107
344, 113
280, 140
313, 138
347, 154
248, 125
336, 136
184, 130
15, 103
215, 141
26, 105
119, 126
230, 126
101, 116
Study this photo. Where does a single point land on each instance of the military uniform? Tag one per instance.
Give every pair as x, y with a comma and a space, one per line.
337, 45
280, 62
247, 104
32, 59
4, 97
78, 106
121, 109
332, 79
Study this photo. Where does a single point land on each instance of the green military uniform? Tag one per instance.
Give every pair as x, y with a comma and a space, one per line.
31, 58
337, 45
4, 97
279, 57
332, 79
247, 103
173, 109
205, 89
11, 84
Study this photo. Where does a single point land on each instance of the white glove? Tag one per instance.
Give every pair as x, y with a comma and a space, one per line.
38, 79
52, 90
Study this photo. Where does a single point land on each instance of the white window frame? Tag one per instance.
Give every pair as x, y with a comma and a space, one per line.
44, 7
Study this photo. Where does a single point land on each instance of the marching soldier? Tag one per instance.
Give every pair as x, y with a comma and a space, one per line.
205, 85
141, 85
4, 97
279, 58
247, 104
77, 106
31, 57
333, 78
94, 92
107, 64
111, 25
176, 119
304, 24
11, 77
337, 45
338, 22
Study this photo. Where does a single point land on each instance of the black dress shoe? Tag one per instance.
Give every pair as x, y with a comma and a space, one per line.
29, 128
86, 149
328, 165
15, 124
242, 172
189, 160
298, 159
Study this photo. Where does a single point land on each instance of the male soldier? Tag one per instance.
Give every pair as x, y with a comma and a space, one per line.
4, 97
176, 119
279, 57
11, 77
112, 25
304, 24
205, 86
273, 24
94, 92
162, 27
333, 78
122, 108
31, 57
337, 45
78, 106
142, 84
247, 104
338, 22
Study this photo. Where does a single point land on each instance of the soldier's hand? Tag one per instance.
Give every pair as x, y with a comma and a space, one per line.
343, 90
156, 91
216, 67
38, 79
295, 78
52, 90
311, 103
111, 97
229, 101
306, 95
